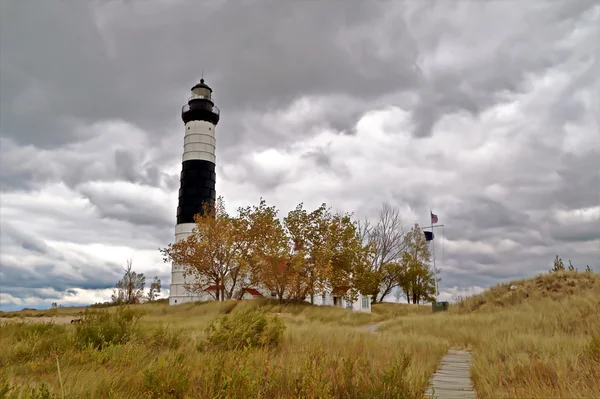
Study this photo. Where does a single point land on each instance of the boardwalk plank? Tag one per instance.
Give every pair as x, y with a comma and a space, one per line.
452, 380
461, 371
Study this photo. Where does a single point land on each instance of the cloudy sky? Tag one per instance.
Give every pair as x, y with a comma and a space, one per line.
486, 112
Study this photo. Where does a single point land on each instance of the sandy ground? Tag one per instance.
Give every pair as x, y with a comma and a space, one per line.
44, 319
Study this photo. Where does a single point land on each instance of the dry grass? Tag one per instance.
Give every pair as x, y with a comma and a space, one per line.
322, 355
534, 341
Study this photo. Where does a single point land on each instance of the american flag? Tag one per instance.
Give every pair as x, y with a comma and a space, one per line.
434, 218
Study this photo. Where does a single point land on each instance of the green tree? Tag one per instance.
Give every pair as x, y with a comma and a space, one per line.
414, 273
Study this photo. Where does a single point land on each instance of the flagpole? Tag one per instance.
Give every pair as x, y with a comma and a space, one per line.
432, 226
437, 291
443, 239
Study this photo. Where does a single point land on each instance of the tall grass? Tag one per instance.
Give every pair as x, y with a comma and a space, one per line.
537, 338
544, 345
320, 354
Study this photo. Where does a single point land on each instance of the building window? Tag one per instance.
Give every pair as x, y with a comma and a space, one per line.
365, 302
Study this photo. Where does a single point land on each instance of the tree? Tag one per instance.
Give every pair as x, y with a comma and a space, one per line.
558, 265
266, 250
386, 239
348, 257
413, 272
307, 254
588, 269
309, 235
327, 253
154, 289
571, 267
211, 254
130, 289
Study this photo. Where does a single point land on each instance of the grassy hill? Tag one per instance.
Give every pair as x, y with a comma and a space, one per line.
537, 338
556, 287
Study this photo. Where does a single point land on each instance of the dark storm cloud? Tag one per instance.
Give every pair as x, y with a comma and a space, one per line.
580, 180
530, 46
579, 233
50, 76
486, 213
26, 241
13, 275
321, 158
137, 208
90, 160
107, 71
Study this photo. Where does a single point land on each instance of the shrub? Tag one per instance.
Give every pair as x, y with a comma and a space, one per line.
160, 337
28, 331
35, 340
244, 329
101, 329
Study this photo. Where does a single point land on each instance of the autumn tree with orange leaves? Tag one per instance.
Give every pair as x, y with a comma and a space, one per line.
266, 251
210, 254
303, 255
311, 253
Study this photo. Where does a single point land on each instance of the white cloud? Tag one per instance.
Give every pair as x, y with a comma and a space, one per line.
428, 105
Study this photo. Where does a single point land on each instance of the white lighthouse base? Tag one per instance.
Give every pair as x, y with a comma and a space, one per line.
178, 293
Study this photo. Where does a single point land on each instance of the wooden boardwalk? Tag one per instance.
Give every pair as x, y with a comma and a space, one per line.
453, 379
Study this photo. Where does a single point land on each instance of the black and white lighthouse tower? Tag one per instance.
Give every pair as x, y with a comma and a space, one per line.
198, 177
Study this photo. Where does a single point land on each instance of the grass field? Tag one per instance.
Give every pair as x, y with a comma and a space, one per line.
540, 339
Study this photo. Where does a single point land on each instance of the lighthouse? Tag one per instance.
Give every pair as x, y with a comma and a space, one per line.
198, 176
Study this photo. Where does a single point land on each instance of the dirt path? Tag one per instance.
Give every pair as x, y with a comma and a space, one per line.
371, 327
43, 319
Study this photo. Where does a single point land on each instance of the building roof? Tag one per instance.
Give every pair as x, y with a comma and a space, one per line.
202, 85
213, 288
339, 290
254, 292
